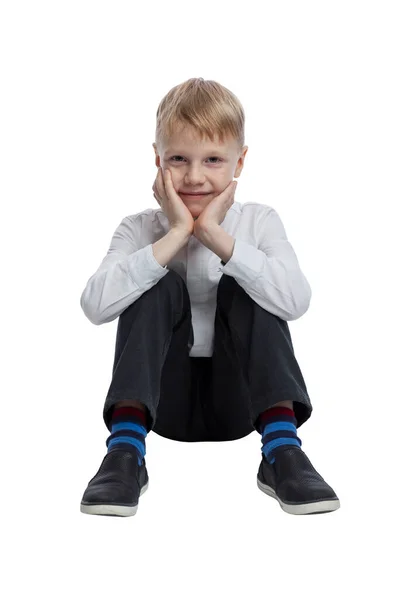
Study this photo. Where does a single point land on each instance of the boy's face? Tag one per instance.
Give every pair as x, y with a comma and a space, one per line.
199, 166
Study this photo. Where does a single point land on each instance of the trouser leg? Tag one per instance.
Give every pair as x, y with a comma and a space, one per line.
154, 329
259, 348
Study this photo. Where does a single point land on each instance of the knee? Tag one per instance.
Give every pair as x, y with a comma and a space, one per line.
227, 281
172, 278
227, 286
174, 284
172, 275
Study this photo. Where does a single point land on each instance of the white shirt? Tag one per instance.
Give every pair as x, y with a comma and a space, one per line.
263, 263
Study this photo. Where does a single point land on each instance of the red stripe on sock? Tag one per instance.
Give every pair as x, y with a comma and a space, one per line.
130, 411
273, 413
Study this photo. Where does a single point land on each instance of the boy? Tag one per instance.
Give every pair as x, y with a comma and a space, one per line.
199, 355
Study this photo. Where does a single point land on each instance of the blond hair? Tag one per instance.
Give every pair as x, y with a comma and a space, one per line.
205, 106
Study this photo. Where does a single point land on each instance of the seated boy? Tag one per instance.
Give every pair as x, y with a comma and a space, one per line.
203, 288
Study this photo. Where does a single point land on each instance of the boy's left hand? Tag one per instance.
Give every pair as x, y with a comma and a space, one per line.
215, 212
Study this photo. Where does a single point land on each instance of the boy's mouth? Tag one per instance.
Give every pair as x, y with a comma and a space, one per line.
193, 195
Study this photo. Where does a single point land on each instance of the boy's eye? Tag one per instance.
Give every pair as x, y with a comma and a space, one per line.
177, 156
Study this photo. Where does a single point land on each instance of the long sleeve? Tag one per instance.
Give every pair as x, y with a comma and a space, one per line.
125, 273
271, 273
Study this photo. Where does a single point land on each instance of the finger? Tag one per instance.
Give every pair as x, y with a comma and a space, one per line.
229, 190
157, 197
230, 186
156, 180
166, 177
161, 186
156, 186
168, 185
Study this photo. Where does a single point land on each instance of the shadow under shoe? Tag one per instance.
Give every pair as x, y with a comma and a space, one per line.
295, 484
117, 485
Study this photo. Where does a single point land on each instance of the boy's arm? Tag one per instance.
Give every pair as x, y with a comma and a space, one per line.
218, 241
269, 272
125, 273
165, 249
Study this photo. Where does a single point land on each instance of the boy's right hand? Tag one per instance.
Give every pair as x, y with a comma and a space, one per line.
179, 216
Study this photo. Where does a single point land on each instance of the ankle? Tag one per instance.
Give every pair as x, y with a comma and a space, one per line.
128, 428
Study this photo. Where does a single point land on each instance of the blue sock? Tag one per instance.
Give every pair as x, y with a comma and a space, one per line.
277, 426
128, 431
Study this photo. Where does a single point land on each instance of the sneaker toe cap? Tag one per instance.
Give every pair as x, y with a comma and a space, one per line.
306, 491
112, 493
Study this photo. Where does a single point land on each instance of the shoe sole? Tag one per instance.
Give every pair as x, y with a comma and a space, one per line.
112, 510
322, 506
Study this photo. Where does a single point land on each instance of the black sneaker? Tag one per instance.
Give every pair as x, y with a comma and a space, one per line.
117, 485
293, 481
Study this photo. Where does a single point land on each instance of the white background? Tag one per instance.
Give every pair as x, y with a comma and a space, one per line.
81, 83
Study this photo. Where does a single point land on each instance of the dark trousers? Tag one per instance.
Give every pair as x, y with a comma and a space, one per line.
215, 398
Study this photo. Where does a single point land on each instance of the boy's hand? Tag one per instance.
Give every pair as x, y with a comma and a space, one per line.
177, 213
215, 212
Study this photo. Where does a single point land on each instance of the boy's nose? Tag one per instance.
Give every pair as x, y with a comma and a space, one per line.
193, 177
